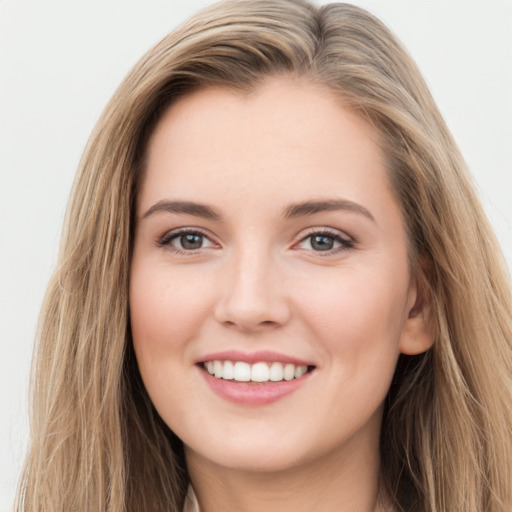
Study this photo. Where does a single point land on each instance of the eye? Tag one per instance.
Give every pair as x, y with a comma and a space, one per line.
186, 241
325, 241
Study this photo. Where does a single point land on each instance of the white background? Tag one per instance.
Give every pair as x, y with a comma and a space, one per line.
60, 61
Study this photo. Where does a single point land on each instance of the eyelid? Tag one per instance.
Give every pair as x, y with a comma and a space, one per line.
165, 240
346, 241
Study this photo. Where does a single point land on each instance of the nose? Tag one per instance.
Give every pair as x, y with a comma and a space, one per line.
253, 294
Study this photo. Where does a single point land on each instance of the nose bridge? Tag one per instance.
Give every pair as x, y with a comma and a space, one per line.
252, 295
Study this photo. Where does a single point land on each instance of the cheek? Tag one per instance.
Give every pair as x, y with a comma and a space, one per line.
358, 312
166, 309
164, 304
357, 320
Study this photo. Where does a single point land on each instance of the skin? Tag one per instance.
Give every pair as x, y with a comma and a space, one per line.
257, 282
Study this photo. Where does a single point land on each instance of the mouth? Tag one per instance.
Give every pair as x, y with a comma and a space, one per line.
260, 372
254, 379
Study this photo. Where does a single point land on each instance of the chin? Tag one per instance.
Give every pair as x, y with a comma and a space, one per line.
252, 456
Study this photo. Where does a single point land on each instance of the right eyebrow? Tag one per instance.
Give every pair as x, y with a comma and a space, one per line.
327, 205
185, 207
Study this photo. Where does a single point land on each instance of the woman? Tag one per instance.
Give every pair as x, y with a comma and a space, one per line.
276, 286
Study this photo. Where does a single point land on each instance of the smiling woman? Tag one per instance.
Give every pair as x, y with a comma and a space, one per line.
277, 289
294, 292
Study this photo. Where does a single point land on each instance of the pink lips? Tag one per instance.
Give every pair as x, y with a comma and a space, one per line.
252, 394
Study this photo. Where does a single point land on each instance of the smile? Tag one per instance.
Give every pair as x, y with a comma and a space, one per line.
254, 379
258, 372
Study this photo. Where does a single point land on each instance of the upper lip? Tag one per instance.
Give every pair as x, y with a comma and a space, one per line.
254, 357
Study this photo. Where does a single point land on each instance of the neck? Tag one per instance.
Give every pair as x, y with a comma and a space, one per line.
343, 481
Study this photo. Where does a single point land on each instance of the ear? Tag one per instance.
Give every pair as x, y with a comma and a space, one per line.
418, 333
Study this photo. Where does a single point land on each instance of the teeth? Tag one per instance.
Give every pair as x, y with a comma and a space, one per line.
242, 372
276, 372
289, 372
258, 372
300, 371
228, 371
218, 369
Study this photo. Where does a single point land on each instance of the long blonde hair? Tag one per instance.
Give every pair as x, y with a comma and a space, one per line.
97, 443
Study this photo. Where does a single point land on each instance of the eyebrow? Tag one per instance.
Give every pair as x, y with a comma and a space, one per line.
186, 207
312, 207
291, 212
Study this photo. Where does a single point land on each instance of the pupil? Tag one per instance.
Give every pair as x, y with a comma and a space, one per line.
322, 243
191, 241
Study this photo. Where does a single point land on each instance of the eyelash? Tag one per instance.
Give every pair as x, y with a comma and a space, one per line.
168, 238
344, 243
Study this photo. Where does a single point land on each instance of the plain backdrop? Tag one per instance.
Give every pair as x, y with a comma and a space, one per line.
60, 61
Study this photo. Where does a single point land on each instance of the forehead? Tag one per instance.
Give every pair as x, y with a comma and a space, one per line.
282, 138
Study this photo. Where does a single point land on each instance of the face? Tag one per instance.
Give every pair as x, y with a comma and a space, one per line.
270, 289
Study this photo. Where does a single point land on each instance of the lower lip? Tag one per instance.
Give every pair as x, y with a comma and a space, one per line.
243, 393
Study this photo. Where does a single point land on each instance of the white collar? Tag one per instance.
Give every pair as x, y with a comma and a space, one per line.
191, 504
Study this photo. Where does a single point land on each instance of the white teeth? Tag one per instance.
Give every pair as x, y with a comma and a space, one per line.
276, 372
300, 371
218, 369
258, 372
229, 370
242, 372
289, 372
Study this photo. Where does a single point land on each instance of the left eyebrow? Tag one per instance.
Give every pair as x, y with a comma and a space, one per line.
312, 207
184, 207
